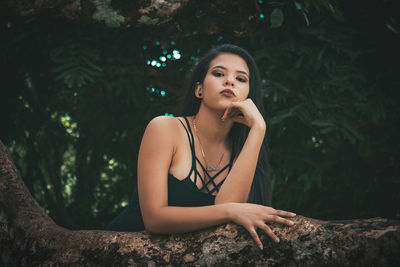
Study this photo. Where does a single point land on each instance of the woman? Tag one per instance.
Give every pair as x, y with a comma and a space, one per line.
205, 168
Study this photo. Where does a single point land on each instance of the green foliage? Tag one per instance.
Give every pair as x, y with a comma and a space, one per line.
77, 105
75, 65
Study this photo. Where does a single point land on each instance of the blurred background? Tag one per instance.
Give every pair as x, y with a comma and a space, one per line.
77, 92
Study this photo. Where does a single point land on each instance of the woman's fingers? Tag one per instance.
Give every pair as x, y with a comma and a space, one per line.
231, 111
285, 213
225, 113
277, 219
238, 117
254, 216
254, 234
244, 112
269, 232
234, 113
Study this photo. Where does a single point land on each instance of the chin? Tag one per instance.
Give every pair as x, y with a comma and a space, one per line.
220, 105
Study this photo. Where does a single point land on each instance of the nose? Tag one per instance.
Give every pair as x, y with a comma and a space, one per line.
229, 82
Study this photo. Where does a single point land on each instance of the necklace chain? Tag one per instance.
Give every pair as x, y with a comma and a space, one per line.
208, 167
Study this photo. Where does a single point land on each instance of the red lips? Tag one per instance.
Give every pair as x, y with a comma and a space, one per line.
227, 92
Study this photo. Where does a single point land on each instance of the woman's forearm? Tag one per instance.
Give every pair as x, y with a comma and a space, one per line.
237, 185
172, 219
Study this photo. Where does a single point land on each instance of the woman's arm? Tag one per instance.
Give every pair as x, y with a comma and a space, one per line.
237, 185
155, 156
169, 220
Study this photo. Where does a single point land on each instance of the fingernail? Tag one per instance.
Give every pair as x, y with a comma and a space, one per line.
277, 240
261, 247
291, 222
293, 214
222, 119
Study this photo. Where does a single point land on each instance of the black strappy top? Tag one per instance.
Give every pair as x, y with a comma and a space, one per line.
182, 193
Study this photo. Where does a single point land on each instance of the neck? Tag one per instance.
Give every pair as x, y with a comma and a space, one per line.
210, 127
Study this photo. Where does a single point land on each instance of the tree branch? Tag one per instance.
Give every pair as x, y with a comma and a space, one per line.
29, 237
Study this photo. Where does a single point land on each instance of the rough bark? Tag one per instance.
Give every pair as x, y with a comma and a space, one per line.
28, 237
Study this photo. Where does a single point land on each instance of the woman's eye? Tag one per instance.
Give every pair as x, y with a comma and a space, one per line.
218, 74
240, 79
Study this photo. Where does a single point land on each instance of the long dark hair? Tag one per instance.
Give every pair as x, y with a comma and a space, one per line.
260, 192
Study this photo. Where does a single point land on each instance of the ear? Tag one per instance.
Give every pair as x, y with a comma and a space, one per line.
198, 91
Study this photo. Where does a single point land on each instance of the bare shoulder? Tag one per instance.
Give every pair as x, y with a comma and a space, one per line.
165, 124
162, 135
166, 128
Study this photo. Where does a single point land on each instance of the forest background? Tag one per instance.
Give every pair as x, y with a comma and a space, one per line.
77, 94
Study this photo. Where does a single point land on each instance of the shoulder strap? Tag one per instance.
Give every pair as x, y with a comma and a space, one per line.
191, 143
190, 137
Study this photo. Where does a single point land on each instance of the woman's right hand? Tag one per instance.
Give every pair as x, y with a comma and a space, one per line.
244, 112
253, 216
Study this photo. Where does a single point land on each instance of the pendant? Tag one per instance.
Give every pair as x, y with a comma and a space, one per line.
212, 168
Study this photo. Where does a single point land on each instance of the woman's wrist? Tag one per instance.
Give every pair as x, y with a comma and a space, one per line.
259, 125
229, 210
259, 128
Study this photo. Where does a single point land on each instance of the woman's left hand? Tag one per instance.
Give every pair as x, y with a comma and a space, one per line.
245, 112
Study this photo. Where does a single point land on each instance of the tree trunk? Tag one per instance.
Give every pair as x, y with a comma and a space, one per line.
28, 237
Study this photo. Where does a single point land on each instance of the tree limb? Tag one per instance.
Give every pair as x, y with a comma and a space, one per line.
29, 237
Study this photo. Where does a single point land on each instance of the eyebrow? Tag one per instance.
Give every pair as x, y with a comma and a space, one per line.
222, 67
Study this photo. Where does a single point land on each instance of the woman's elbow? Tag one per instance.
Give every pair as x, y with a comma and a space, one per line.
153, 225
150, 226
150, 230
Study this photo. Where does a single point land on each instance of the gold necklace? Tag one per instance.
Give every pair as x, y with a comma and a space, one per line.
208, 167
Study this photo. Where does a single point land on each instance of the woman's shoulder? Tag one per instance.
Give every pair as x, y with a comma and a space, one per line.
164, 124
163, 130
164, 121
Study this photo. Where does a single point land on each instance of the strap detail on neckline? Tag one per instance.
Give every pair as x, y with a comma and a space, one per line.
196, 172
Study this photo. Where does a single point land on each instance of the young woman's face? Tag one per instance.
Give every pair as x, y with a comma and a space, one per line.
227, 80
